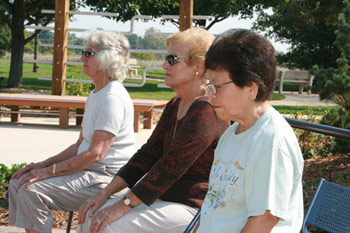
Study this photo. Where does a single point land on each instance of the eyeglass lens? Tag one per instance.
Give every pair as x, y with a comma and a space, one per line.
171, 58
87, 53
210, 86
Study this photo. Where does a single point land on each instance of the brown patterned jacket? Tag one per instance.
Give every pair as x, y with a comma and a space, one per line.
174, 164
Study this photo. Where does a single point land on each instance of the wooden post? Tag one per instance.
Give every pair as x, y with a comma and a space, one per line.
186, 14
60, 48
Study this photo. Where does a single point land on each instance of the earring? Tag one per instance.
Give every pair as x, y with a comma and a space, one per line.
197, 73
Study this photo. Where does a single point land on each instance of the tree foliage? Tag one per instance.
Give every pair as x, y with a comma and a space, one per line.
217, 9
307, 25
5, 38
334, 83
16, 14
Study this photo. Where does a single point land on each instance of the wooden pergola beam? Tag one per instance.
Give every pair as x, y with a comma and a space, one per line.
60, 48
186, 14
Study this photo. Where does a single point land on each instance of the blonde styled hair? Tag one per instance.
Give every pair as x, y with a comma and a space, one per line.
196, 41
113, 52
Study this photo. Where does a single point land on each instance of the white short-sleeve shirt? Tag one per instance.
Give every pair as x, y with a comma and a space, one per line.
254, 171
110, 109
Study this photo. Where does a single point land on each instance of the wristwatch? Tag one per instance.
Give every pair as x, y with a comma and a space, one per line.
127, 202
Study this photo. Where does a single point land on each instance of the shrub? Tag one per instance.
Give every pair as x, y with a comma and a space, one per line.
76, 88
334, 83
5, 176
341, 119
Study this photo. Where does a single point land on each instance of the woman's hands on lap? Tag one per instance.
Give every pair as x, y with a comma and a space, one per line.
34, 174
23, 170
108, 215
92, 204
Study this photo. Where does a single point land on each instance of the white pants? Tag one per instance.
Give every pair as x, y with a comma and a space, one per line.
30, 208
160, 217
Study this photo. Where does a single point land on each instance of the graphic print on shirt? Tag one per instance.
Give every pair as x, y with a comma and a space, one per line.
224, 176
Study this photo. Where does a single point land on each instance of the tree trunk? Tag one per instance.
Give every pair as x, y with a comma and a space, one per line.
17, 45
35, 65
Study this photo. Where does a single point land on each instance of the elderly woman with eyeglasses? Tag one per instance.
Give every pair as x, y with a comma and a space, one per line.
105, 144
255, 181
167, 178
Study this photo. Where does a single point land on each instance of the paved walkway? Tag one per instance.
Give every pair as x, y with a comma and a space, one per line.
35, 139
301, 100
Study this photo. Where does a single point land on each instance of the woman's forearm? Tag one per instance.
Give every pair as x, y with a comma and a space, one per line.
116, 185
66, 154
260, 224
100, 145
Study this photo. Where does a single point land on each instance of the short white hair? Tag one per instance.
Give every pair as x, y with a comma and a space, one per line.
113, 52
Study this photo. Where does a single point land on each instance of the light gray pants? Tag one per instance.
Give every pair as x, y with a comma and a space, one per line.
160, 217
30, 208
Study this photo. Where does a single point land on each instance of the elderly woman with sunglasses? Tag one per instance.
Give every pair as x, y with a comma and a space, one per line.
168, 176
105, 143
255, 181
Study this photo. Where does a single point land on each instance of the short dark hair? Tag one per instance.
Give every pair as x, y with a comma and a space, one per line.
248, 57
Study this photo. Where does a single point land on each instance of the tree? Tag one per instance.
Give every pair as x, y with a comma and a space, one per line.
218, 9
307, 25
334, 83
16, 14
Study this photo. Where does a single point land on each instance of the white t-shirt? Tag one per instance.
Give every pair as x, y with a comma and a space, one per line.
110, 109
254, 171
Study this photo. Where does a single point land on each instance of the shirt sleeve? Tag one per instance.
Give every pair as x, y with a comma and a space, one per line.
269, 183
198, 131
111, 114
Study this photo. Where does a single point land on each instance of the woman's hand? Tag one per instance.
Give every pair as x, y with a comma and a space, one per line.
92, 204
35, 175
23, 170
107, 215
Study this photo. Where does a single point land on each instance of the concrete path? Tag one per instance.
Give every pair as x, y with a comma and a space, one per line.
293, 98
35, 139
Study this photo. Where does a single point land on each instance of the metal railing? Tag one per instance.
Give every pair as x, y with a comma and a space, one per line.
319, 128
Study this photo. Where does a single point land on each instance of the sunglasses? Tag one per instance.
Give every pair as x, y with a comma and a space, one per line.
87, 53
213, 87
172, 59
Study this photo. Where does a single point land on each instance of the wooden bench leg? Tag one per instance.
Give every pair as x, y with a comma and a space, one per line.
147, 124
79, 119
15, 117
136, 121
64, 118
301, 87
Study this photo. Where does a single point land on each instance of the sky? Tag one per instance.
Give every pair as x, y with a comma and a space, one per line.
88, 22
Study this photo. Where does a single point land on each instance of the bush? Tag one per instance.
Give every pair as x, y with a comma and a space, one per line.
76, 88
5, 176
341, 119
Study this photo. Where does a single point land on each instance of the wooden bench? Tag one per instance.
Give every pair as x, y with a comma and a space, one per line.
133, 67
147, 107
64, 103
303, 77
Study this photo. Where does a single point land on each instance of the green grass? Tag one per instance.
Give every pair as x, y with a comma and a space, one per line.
149, 91
304, 110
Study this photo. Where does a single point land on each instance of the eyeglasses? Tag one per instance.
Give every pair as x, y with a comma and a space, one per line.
172, 59
213, 87
87, 53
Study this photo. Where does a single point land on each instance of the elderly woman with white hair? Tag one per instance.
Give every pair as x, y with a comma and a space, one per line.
105, 143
